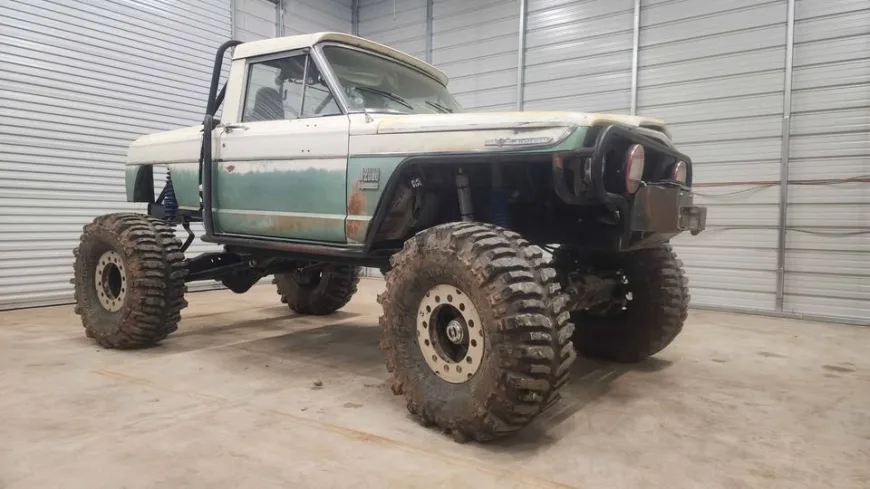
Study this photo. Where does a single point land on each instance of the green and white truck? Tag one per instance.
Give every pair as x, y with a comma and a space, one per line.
510, 242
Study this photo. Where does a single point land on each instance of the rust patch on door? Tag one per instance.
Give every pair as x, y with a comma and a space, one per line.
308, 227
356, 206
290, 224
230, 168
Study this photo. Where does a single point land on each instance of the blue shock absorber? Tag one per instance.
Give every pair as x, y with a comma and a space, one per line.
170, 204
499, 199
500, 215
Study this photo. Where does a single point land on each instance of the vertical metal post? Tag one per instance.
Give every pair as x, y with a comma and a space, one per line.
279, 18
429, 13
784, 158
354, 17
634, 56
521, 55
232, 19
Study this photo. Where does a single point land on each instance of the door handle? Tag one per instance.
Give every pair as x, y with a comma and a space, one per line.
231, 127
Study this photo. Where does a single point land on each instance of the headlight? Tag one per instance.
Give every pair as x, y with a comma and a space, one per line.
680, 172
634, 161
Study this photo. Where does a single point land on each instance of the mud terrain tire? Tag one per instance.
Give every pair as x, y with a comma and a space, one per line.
652, 319
143, 259
527, 352
329, 292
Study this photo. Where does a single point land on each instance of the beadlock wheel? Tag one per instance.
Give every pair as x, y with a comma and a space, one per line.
450, 334
110, 281
129, 275
492, 308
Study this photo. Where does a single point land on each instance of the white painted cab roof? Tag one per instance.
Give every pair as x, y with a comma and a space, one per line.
289, 43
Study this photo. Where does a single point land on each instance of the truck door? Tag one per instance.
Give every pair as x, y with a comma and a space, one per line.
282, 167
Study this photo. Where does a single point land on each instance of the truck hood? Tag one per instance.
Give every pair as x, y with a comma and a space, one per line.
414, 123
479, 132
174, 146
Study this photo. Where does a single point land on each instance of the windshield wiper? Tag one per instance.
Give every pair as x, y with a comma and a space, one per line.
389, 95
440, 107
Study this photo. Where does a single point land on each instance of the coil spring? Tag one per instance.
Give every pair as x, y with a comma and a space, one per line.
170, 204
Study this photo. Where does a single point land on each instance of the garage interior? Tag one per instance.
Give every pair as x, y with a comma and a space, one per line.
767, 387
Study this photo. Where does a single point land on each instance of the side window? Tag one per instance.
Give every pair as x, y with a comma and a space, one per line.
318, 99
274, 90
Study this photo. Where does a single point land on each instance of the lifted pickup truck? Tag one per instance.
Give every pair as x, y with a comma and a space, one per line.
334, 153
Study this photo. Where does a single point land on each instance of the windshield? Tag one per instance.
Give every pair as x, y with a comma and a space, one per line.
380, 85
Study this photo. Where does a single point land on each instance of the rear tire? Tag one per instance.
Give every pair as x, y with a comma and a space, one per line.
475, 271
129, 280
321, 293
653, 317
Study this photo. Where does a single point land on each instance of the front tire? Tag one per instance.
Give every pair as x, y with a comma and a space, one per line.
653, 317
129, 280
456, 273
318, 293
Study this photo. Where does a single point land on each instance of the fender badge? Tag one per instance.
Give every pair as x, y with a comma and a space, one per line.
370, 179
517, 141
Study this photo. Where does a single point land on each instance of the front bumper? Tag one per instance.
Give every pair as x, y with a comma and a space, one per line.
658, 211
666, 209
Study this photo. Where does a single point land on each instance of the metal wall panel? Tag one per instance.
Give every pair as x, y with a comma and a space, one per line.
307, 16
476, 43
255, 19
714, 72
400, 24
81, 80
828, 241
482, 78
579, 55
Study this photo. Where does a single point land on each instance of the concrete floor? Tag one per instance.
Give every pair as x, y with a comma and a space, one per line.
230, 401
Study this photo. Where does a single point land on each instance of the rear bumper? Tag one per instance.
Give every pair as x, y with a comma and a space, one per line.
666, 209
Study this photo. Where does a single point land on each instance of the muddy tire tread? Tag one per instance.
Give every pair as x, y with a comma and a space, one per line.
156, 269
343, 283
664, 312
536, 352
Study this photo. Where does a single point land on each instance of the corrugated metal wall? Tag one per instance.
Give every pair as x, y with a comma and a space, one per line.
255, 19
715, 72
80, 80
307, 16
400, 24
578, 55
475, 43
828, 241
